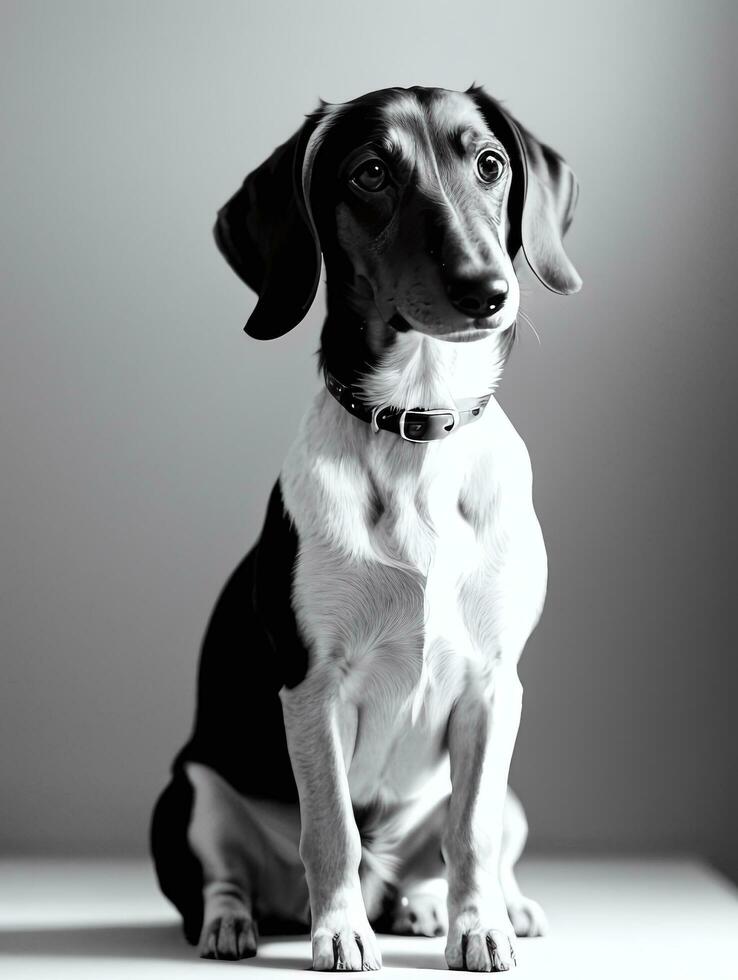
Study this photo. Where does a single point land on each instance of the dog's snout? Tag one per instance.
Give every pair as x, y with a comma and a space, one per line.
478, 298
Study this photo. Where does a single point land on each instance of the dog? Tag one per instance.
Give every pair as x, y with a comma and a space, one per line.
358, 696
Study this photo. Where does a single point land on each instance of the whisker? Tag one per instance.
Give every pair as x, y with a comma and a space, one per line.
530, 324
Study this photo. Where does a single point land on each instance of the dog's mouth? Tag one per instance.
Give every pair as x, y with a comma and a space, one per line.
473, 329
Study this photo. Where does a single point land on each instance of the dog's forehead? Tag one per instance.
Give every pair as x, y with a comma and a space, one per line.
437, 116
409, 120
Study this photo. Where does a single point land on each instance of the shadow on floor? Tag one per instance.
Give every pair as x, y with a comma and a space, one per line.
166, 942
134, 941
144, 941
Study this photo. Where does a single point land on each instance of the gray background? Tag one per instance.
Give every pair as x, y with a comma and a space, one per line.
141, 430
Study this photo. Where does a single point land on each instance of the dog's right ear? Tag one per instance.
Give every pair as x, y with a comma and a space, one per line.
267, 235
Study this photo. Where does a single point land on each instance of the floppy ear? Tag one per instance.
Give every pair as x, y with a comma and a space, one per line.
543, 196
267, 235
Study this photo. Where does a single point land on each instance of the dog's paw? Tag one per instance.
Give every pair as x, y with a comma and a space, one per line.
527, 917
420, 914
480, 949
228, 936
340, 943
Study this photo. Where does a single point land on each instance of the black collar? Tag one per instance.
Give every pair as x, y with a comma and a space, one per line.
413, 424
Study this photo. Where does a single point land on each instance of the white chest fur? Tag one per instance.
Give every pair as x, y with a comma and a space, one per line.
420, 568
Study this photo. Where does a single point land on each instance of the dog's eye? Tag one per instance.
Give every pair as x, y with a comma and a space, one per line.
370, 176
490, 166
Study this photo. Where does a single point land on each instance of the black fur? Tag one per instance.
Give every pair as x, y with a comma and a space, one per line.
251, 649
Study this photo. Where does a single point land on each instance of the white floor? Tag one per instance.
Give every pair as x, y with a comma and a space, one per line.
625, 919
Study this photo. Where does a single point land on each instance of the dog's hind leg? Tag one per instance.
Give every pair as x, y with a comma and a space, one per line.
251, 868
221, 840
526, 915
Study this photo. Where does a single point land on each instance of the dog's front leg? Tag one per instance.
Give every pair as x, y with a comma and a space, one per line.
330, 847
482, 733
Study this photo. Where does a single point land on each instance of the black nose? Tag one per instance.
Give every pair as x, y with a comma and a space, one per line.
478, 298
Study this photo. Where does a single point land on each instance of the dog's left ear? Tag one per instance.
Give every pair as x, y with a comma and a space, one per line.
267, 235
543, 196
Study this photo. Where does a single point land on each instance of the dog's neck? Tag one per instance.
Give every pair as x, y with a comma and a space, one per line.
406, 368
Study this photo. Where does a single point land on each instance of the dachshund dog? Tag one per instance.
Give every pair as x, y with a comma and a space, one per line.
358, 696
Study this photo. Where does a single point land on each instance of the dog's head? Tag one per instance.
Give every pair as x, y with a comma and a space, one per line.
418, 199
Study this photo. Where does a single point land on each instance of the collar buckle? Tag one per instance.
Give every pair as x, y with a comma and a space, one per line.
418, 424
